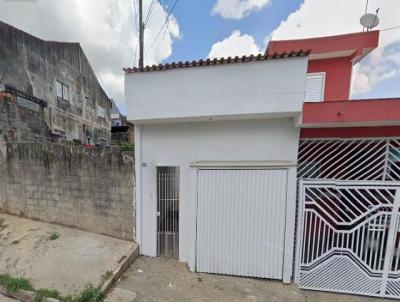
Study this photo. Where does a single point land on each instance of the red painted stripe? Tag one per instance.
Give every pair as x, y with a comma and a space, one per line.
347, 132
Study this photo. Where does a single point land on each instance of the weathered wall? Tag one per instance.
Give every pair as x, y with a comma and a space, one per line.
33, 66
21, 119
3, 172
71, 185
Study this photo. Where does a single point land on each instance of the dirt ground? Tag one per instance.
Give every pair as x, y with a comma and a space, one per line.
66, 263
162, 279
6, 299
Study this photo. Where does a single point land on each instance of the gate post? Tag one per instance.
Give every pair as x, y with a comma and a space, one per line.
391, 241
299, 230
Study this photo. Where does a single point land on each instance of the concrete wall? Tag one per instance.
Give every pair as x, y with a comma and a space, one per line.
243, 90
180, 144
32, 66
22, 119
91, 189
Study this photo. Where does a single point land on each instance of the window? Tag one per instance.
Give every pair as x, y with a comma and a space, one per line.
101, 111
315, 86
62, 91
116, 123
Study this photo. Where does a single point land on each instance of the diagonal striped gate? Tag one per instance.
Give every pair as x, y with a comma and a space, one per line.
349, 237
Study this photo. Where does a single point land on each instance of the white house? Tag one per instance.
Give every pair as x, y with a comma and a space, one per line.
216, 150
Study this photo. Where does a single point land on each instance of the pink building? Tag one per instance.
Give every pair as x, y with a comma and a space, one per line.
348, 168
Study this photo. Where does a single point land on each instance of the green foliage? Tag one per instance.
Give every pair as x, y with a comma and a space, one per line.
89, 294
45, 293
13, 284
54, 236
127, 146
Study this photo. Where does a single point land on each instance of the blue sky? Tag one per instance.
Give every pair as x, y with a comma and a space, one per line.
207, 28
200, 29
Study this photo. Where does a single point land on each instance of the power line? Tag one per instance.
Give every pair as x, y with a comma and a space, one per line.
391, 28
153, 2
165, 23
136, 15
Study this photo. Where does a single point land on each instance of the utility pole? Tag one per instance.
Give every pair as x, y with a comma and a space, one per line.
141, 34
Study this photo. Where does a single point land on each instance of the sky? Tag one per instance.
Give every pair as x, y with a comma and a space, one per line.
107, 31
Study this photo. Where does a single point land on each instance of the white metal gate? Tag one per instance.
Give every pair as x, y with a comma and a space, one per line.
168, 212
241, 222
350, 237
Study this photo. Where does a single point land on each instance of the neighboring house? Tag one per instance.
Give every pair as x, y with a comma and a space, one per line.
222, 146
121, 130
58, 77
349, 172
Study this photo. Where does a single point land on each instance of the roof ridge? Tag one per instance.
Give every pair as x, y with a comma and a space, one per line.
218, 61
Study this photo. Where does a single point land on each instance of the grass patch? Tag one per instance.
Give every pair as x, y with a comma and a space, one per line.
88, 294
45, 293
15, 242
13, 284
54, 236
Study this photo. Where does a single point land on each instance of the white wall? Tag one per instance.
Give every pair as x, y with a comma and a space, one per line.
242, 90
179, 144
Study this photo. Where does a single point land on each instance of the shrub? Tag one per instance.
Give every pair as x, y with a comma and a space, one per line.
89, 294
127, 146
44, 293
13, 284
54, 236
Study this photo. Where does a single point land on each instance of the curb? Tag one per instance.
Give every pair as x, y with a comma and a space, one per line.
23, 295
121, 268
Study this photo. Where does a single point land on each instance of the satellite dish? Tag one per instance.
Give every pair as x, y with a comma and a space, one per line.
369, 21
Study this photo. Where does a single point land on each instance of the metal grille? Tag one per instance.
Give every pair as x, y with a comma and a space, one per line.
349, 159
350, 238
168, 212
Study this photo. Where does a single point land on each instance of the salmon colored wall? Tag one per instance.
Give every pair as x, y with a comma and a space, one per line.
354, 111
338, 77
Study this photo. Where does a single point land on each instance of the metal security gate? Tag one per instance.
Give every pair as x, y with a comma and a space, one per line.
350, 237
241, 216
168, 212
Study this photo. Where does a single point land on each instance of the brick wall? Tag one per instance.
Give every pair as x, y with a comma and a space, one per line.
91, 189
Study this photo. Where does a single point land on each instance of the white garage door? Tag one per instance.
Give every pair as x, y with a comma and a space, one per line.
241, 222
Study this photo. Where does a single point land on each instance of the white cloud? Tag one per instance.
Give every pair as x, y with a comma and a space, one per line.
320, 18
235, 45
105, 29
237, 9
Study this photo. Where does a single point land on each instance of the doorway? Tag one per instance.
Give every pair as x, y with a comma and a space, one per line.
168, 212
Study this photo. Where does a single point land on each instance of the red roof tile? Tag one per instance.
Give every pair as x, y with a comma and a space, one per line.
211, 62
